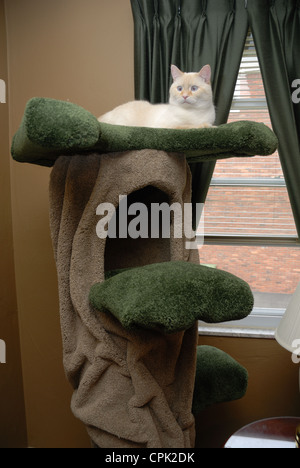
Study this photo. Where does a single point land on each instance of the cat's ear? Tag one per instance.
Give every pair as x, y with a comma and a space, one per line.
205, 73
176, 73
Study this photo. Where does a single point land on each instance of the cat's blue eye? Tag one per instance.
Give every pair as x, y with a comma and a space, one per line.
194, 88
179, 88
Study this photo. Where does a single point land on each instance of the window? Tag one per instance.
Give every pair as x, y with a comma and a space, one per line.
249, 225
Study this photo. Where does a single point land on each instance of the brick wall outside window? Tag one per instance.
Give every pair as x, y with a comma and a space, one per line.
253, 211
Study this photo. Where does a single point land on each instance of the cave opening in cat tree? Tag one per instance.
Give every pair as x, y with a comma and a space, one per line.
131, 252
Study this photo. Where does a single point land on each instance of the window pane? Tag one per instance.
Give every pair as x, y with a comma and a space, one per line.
248, 211
272, 272
248, 198
260, 167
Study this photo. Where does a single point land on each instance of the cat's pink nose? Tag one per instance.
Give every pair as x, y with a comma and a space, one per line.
185, 97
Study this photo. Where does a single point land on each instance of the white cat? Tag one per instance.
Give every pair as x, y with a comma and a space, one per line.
190, 105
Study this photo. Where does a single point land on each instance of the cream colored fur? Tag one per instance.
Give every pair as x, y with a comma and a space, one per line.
190, 105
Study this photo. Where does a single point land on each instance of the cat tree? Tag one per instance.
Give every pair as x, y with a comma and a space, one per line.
129, 307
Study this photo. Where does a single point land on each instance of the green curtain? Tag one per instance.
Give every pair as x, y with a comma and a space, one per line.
275, 25
189, 34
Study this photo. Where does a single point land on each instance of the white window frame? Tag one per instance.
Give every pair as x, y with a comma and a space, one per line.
262, 322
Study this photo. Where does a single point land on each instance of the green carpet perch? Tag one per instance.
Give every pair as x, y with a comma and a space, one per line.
171, 296
51, 128
129, 307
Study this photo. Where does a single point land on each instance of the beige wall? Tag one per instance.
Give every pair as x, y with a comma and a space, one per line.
12, 414
82, 50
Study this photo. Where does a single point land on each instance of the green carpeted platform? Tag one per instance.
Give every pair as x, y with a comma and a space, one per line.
51, 128
171, 296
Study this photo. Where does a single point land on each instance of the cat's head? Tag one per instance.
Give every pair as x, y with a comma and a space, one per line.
191, 89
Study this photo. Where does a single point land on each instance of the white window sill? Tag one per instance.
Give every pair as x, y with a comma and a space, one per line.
261, 323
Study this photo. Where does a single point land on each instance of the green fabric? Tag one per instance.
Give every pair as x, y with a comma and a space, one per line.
189, 34
171, 296
276, 31
52, 128
219, 378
